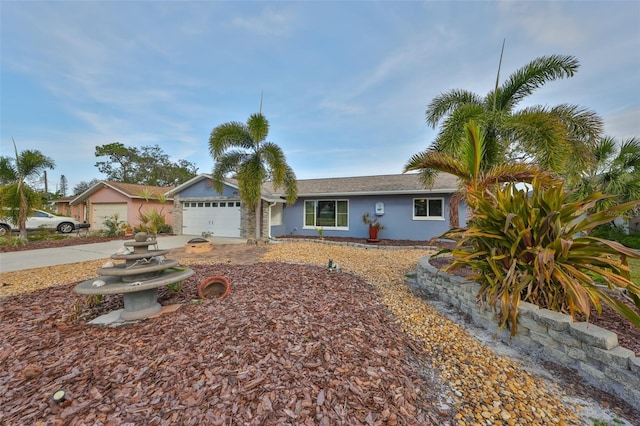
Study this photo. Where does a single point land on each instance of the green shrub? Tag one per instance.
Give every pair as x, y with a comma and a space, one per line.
152, 222
113, 226
632, 241
12, 241
614, 233
536, 248
43, 234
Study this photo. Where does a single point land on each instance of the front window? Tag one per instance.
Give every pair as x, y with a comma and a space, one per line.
428, 209
326, 214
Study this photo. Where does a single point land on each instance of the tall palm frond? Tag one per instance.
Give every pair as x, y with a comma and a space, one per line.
258, 126
241, 149
556, 138
8, 172
469, 168
448, 102
15, 193
535, 74
615, 170
229, 135
226, 164
451, 132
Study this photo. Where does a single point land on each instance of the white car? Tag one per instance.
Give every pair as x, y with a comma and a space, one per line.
40, 219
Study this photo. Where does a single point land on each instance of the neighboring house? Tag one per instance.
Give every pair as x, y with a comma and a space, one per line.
105, 199
62, 207
405, 208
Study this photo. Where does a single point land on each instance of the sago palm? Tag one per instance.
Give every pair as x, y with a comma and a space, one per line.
556, 138
241, 149
472, 166
17, 198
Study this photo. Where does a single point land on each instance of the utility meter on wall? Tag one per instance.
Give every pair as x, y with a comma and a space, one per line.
379, 208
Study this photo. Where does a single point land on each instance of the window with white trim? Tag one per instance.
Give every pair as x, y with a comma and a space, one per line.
428, 209
326, 214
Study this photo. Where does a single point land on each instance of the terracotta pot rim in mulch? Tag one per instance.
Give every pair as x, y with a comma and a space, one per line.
216, 286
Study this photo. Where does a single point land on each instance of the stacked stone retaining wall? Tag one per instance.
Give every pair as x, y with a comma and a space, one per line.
591, 350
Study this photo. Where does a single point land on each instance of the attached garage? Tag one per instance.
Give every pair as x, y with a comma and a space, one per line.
102, 211
220, 218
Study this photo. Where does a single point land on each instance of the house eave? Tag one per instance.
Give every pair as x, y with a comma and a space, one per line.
377, 193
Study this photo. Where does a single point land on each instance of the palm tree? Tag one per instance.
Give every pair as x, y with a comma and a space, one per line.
556, 138
472, 166
241, 149
16, 196
615, 171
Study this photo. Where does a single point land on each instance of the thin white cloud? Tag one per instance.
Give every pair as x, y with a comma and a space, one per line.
623, 124
343, 108
269, 22
547, 23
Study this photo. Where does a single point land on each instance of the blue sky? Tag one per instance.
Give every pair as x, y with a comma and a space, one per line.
345, 84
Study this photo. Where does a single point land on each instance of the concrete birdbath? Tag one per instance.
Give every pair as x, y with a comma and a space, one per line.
137, 279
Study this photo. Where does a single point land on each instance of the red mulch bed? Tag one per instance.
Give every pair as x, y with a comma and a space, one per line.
628, 334
69, 241
291, 344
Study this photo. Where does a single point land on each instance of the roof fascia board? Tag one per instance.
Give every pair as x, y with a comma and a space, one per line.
187, 184
193, 181
363, 193
86, 194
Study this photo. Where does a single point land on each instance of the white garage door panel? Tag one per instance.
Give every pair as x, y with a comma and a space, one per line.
222, 219
101, 212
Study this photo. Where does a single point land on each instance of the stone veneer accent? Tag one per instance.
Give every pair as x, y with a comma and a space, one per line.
177, 215
592, 351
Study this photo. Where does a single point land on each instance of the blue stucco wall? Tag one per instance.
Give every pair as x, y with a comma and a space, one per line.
278, 230
397, 218
203, 189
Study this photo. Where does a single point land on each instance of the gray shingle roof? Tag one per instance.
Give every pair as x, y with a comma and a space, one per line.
369, 185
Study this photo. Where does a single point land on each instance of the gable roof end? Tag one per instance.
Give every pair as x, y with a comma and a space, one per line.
129, 190
230, 182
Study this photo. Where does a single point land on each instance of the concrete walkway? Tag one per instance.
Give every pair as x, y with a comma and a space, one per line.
29, 259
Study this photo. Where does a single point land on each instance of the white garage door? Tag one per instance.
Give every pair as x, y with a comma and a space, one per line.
221, 218
101, 212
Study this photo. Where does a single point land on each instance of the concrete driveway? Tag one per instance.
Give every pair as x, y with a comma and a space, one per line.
29, 259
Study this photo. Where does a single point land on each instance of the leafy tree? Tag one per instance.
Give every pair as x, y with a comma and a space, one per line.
241, 149
556, 138
120, 166
615, 171
473, 166
84, 185
15, 193
148, 165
